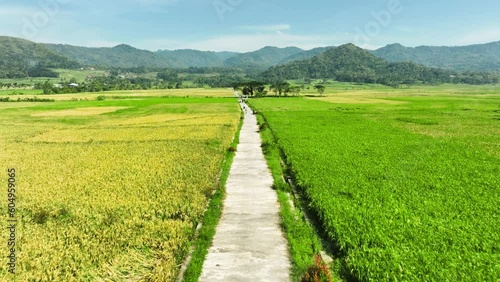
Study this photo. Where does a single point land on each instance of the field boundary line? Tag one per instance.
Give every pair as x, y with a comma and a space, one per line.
249, 243
191, 268
294, 209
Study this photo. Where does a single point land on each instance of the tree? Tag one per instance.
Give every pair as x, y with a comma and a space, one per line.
260, 94
253, 87
295, 90
281, 87
320, 88
47, 88
39, 71
171, 75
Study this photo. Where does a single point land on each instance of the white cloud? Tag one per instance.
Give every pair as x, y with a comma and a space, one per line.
252, 42
246, 42
265, 28
478, 37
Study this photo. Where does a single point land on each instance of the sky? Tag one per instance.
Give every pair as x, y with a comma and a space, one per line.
248, 25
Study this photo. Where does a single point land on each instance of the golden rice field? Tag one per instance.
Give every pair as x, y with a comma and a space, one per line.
110, 190
137, 94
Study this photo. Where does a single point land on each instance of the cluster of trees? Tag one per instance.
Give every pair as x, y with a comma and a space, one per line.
27, 99
110, 83
165, 79
284, 88
279, 88
211, 76
251, 89
219, 80
171, 75
40, 71
22, 71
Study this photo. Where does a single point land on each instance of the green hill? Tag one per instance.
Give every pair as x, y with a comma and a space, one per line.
304, 55
263, 58
333, 63
121, 56
352, 64
125, 56
186, 58
481, 57
21, 58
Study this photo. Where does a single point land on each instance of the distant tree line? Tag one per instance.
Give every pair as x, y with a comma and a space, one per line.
279, 88
351, 68
27, 99
23, 72
98, 84
206, 76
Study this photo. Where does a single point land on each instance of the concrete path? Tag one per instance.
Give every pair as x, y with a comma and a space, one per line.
248, 244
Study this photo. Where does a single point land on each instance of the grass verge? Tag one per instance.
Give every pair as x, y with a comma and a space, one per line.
303, 241
212, 215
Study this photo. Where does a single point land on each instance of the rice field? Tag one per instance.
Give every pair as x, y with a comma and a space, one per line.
111, 190
405, 184
128, 94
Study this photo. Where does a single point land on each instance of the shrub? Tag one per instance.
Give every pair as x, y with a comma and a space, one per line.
41, 216
318, 272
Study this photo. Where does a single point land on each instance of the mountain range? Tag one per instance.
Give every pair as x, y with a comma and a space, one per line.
350, 63
481, 57
17, 56
125, 56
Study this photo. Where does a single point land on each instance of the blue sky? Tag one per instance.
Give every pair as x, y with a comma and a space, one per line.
247, 25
